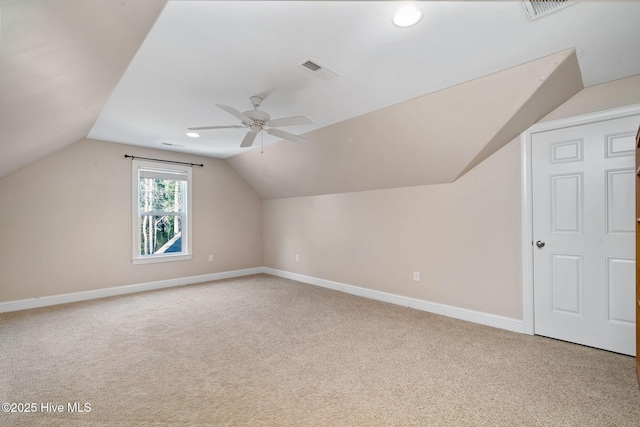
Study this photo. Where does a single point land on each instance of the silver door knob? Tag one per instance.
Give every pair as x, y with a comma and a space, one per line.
540, 244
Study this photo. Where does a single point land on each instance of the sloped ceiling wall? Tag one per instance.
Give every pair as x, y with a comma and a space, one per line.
563, 83
59, 62
432, 139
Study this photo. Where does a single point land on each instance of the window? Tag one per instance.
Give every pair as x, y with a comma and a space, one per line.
161, 212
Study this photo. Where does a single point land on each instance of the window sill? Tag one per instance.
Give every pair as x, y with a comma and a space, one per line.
161, 258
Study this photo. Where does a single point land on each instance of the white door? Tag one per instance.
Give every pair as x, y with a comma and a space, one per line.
584, 234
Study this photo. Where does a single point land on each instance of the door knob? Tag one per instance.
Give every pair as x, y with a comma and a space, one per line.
540, 244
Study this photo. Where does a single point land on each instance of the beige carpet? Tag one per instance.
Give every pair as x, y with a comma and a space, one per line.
264, 351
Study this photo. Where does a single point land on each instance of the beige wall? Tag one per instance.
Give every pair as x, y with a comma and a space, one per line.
615, 94
66, 222
66, 226
458, 236
463, 238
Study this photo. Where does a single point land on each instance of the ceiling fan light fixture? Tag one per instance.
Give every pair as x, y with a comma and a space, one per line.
407, 16
193, 134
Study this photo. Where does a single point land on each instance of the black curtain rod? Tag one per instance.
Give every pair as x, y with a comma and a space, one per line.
164, 161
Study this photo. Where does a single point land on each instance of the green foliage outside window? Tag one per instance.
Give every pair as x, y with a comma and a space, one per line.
161, 205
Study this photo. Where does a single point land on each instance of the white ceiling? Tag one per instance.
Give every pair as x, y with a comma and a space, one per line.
199, 54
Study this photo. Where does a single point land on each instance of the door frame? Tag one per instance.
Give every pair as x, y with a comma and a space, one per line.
526, 198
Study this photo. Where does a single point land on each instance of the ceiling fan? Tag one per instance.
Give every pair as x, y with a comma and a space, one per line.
257, 121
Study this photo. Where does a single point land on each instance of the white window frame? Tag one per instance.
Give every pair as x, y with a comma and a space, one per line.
136, 165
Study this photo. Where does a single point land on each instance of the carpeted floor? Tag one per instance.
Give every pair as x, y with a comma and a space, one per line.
265, 351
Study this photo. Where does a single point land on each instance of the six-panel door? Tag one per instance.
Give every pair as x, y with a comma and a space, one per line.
584, 212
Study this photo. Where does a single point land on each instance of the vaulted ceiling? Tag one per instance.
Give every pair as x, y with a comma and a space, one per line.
431, 139
411, 106
59, 62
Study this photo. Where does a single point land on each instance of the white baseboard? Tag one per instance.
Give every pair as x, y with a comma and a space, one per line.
515, 325
122, 290
488, 319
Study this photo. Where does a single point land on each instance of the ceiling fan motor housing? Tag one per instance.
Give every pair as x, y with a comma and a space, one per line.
258, 118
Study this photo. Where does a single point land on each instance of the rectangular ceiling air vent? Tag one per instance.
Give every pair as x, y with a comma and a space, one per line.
318, 70
537, 9
311, 65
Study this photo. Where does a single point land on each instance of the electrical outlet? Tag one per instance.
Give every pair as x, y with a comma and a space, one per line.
210, 258
416, 276
297, 258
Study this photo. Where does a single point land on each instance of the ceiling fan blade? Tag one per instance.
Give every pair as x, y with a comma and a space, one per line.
286, 135
218, 127
290, 121
234, 112
248, 139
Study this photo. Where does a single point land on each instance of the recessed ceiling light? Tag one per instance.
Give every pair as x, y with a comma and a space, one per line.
193, 134
407, 16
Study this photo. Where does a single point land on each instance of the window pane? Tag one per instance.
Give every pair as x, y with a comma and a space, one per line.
161, 195
160, 234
